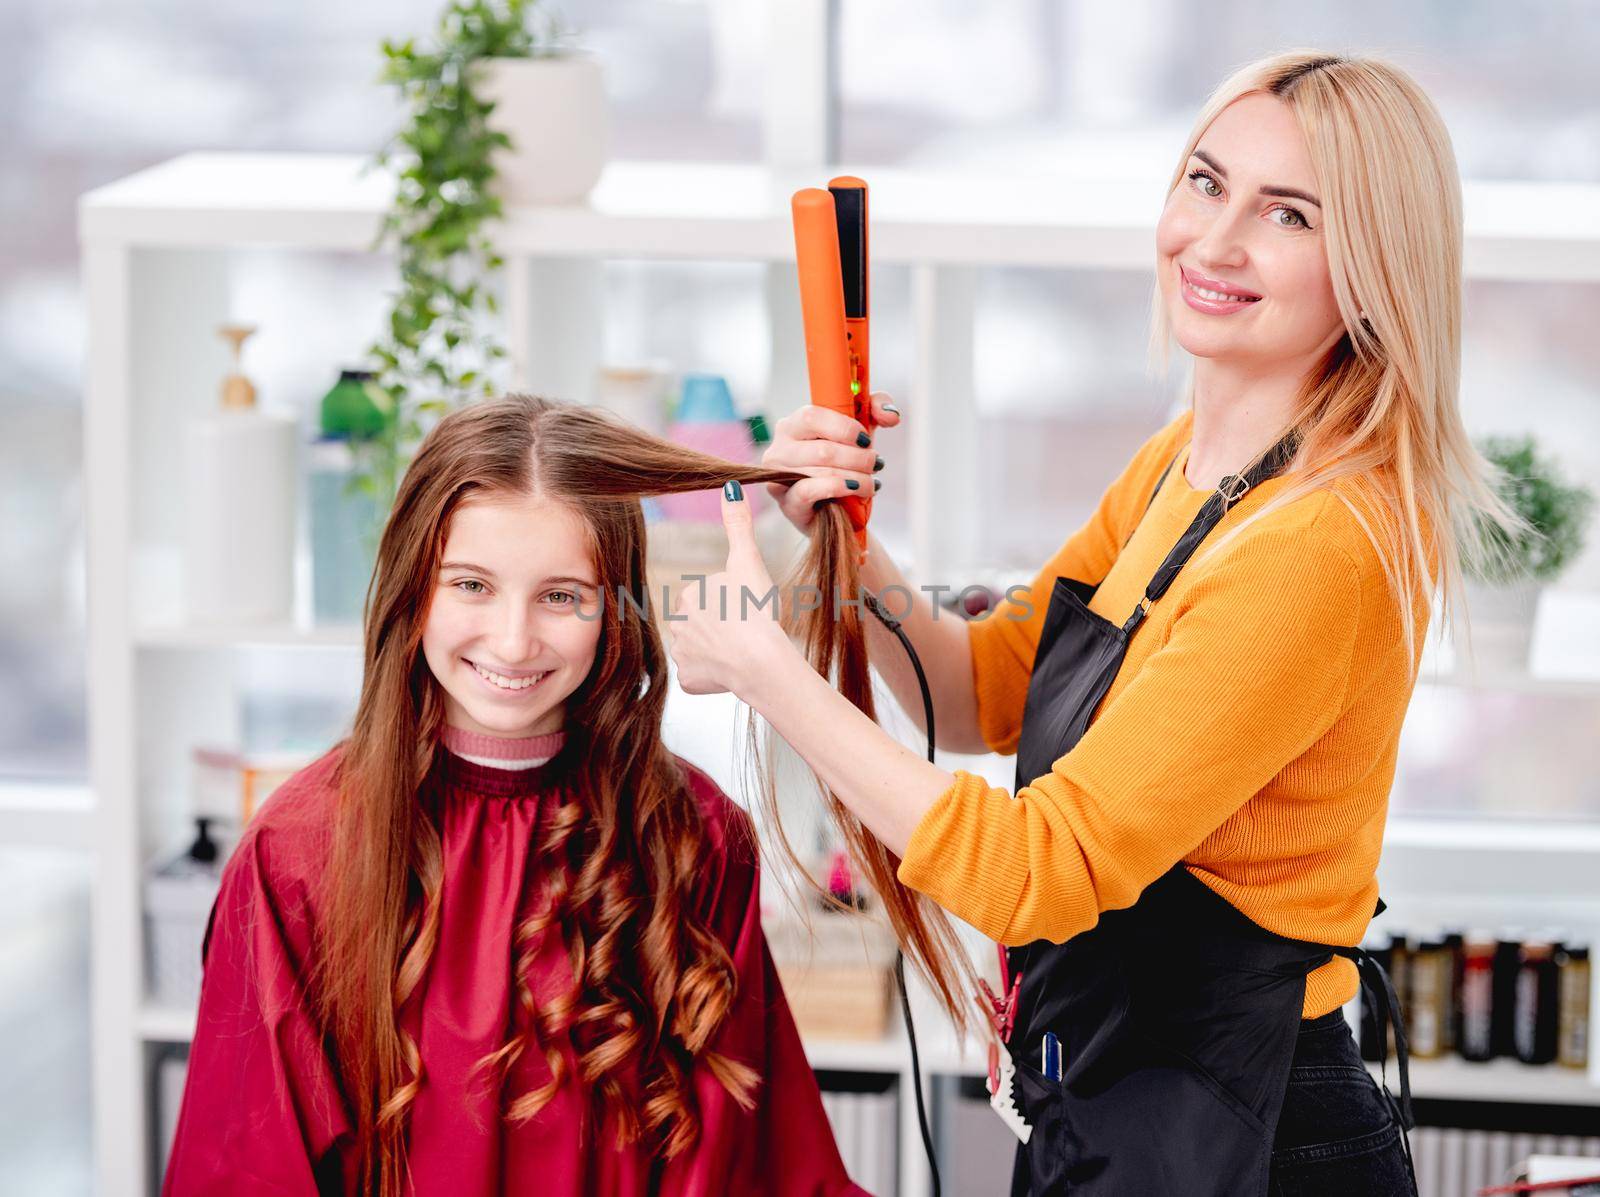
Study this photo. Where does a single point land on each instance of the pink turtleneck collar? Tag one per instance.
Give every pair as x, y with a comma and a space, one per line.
499, 766
502, 752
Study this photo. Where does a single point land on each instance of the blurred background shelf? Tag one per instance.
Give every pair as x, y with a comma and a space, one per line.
165, 1024
1514, 230
1453, 1079
286, 635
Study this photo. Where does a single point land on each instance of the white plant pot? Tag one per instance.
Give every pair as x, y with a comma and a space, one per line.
554, 112
1502, 619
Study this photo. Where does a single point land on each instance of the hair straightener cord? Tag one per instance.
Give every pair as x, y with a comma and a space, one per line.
893, 625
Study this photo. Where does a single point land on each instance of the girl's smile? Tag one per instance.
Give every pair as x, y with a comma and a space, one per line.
510, 682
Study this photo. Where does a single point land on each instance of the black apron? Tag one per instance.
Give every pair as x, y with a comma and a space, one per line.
1176, 1017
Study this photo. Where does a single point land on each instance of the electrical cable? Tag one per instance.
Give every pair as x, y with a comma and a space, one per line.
893, 624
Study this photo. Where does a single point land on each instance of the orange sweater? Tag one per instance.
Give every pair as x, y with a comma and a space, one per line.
1250, 733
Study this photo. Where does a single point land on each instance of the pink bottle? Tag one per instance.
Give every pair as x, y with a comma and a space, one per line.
706, 421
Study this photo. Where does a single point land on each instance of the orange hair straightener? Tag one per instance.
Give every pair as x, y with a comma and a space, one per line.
830, 242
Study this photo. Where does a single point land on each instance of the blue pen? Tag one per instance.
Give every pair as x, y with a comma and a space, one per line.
1051, 1063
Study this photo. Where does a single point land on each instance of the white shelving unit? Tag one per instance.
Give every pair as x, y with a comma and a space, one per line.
155, 264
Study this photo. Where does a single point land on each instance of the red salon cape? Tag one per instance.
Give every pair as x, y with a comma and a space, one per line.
263, 1112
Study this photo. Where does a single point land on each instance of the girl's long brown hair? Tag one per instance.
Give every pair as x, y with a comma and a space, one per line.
651, 983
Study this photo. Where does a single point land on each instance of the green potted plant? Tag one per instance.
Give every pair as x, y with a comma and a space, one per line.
1503, 588
438, 349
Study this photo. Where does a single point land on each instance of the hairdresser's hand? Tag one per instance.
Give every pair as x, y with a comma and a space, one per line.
721, 637
827, 445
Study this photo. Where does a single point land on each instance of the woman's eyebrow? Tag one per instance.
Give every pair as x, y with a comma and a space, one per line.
489, 573
1285, 192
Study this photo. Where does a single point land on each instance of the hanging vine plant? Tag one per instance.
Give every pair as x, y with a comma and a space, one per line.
438, 350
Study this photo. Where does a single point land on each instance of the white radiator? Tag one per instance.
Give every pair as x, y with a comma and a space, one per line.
1457, 1163
867, 1130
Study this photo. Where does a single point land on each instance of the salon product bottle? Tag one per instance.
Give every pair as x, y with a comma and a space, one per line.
1476, 1039
634, 393
706, 420
204, 849
1535, 1014
345, 518
1573, 1018
348, 411
842, 889
1400, 974
1507, 965
1451, 1027
239, 505
1426, 1012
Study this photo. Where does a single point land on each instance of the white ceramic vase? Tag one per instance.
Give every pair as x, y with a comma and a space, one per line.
1502, 625
554, 112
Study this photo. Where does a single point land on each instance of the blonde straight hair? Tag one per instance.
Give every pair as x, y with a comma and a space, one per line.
1382, 408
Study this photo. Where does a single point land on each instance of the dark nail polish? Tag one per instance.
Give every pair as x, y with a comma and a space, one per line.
863, 440
852, 484
877, 485
877, 463
732, 491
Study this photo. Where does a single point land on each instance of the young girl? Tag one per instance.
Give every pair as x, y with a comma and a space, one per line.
500, 939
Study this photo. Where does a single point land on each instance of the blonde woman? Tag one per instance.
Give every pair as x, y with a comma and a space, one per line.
1205, 685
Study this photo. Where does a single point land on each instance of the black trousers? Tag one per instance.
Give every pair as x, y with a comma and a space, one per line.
1338, 1133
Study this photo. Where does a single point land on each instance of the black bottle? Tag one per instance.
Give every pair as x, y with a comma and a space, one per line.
1507, 965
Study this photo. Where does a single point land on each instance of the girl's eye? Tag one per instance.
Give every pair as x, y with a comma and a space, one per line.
465, 582
1298, 220
563, 594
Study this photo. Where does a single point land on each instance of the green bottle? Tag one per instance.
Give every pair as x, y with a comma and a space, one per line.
348, 410
345, 520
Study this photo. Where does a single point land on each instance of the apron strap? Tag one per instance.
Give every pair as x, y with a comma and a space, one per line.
1229, 491
1378, 993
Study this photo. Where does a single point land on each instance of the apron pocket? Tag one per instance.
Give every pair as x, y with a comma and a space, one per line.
1041, 1161
1226, 1147
1196, 1080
